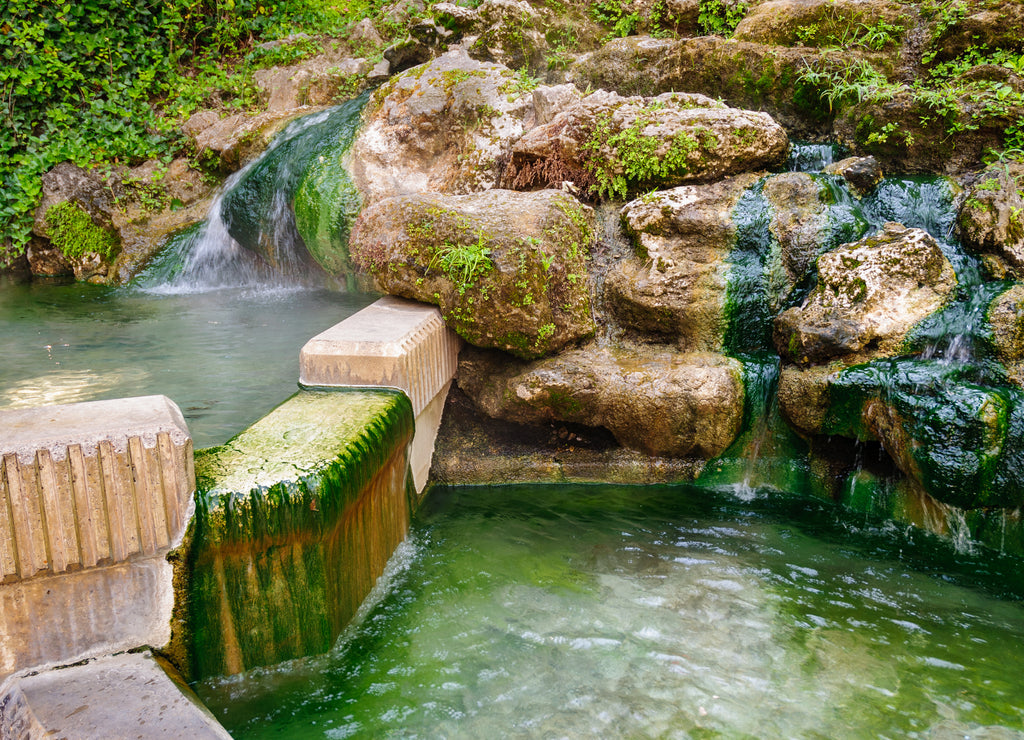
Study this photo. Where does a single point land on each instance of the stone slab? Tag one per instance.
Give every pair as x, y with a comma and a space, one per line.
119, 696
65, 618
92, 498
55, 428
90, 483
392, 343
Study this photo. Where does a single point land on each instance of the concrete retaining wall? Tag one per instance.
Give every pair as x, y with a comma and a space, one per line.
393, 343
92, 497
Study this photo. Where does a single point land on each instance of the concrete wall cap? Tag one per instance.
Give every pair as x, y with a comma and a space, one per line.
54, 428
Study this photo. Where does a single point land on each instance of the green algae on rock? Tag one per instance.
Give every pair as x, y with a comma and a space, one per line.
507, 269
962, 438
258, 208
295, 520
614, 146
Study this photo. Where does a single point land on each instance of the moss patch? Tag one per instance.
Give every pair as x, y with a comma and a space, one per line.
73, 232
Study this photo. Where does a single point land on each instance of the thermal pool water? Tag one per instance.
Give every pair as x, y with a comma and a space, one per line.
677, 612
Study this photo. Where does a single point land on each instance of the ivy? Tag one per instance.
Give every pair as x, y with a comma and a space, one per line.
108, 81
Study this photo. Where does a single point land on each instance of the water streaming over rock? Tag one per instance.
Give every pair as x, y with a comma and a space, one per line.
944, 391
279, 221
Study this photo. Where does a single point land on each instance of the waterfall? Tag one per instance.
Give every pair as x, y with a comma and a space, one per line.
252, 235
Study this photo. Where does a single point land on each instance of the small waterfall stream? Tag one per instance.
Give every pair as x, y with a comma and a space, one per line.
260, 230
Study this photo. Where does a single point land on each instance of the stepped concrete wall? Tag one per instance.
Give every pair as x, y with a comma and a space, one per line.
92, 497
393, 343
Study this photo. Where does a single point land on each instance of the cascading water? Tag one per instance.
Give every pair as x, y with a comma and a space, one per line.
260, 231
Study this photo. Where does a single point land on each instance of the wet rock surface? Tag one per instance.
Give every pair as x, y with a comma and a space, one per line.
675, 286
870, 294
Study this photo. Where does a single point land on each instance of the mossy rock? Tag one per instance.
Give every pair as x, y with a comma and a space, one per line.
614, 147
961, 439
743, 74
508, 270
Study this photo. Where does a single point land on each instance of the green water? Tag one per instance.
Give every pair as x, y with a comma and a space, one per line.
225, 357
677, 612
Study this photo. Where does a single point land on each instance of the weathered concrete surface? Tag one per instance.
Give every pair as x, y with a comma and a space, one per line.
392, 343
92, 497
119, 696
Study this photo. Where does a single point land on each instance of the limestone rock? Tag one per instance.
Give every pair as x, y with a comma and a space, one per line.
917, 139
992, 25
676, 286
364, 34
321, 82
803, 396
507, 269
869, 296
1006, 319
45, 260
233, 141
442, 127
660, 402
746, 75
513, 34
613, 145
92, 199
962, 441
456, 18
815, 22
862, 173
406, 54
800, 225
991, 218
550, 100
199, 122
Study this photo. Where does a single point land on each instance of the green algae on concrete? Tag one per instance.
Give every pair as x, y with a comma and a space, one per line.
295, 520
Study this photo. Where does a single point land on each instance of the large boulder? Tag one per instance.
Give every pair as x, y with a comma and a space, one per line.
440, 127
676, 285
507, 269
961, 440
869, 295
991, 220
903, 131
512, 34
824, 23
657, 401
228, 143
743, 74
322, 80
986, 24
103, 227
800, 227
613, 145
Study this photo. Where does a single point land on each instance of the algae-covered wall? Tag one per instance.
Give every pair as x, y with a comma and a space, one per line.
296, 518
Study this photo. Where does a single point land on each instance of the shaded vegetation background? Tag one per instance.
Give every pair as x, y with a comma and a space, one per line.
110, 81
